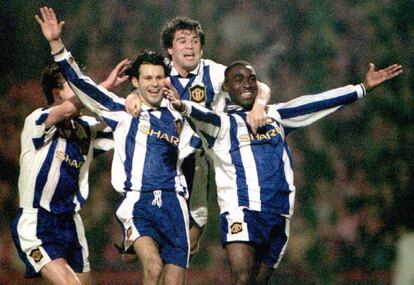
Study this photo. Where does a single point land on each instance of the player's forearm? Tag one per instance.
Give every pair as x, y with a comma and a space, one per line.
56, 46
59, 113
263, 96
203, 121
93, 97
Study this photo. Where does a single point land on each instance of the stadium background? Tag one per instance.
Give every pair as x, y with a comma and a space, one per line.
354, 169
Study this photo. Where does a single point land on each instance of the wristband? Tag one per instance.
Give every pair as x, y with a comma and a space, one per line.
58, 52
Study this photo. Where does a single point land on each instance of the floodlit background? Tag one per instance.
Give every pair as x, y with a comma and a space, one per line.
354, 169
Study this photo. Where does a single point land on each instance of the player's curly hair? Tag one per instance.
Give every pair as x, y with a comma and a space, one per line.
176, 24
52, 77
146, 57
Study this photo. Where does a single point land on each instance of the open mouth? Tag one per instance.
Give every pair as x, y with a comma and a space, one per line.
189, 56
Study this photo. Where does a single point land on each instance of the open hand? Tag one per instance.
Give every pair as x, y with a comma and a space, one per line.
375, 78
49, 24
171, 94
117, 76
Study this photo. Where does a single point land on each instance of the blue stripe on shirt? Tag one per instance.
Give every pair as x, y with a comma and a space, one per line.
129, 151
206, 117
90, 90
317, 106
238, 164
43, 173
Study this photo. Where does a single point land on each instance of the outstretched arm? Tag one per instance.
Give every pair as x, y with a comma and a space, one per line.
375, 78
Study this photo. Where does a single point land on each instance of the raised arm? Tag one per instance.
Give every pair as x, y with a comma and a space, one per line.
92, 96
307, 109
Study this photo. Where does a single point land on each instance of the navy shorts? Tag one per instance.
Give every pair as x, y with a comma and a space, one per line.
268, 232
161, 215
41, 236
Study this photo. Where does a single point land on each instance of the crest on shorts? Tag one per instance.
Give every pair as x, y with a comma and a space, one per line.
198, 93
236, 228
36, 254
129, 232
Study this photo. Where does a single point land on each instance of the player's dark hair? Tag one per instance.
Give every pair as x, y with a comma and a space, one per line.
146, 57
52, 77
177, 24
234, 64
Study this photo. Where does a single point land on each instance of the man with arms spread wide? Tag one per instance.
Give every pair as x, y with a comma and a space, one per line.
254, 174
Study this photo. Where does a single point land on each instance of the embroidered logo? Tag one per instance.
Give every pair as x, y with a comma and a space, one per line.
36, 254
198, 93
129, 232
236, 228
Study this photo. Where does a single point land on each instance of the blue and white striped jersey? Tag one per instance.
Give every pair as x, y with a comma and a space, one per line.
203, 86
255, 171
54, 163
146, 147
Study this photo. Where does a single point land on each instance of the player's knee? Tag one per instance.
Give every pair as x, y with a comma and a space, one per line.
152, 268
242, 278
242, 274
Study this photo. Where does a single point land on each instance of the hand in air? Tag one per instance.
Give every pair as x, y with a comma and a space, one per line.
375, 77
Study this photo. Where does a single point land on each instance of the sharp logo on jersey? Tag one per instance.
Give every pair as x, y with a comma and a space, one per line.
198, 93
36, 254
129, 232
163, 136
263, 136
236, 228
72, 162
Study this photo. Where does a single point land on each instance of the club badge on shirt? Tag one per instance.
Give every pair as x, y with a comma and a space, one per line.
198, 93
36, 254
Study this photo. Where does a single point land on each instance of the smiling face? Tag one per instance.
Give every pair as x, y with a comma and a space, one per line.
150, 84
241, 84
186, 51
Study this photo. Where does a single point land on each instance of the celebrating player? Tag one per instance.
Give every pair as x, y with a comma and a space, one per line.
254, 173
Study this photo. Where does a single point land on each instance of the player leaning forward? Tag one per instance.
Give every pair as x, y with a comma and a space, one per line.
254, 173
145, 167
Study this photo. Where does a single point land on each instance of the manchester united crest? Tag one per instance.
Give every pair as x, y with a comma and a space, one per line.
236, 228
129, 232
198, 93
36, 254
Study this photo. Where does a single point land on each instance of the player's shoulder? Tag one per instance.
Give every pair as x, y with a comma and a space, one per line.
37, 114
213, 64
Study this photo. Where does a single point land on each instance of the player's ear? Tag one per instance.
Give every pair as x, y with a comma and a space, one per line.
170, 51
56, 94
134, 82
225, 86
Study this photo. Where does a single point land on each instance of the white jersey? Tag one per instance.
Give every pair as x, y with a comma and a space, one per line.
54, 163
146, 147
202, 86
255, 171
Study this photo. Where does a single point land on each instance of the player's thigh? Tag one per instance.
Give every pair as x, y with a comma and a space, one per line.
241, 256
58, 271
147, 251
174, 275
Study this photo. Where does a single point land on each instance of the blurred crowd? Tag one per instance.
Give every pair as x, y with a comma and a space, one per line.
354, 170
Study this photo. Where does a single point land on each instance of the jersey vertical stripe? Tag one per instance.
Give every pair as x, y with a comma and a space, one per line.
54, 163
146, 148
255, 170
